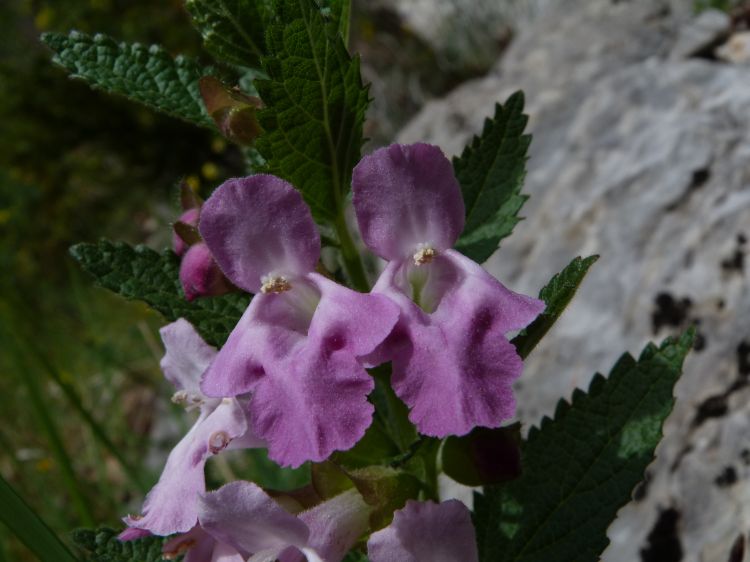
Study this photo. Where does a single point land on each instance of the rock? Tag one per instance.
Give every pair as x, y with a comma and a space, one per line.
701, 35
642, 158
737, 49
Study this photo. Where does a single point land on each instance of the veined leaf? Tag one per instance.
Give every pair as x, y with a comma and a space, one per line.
315, 106
580, 468
145, 74
557, 294
233, 30
141, 273
491, 170
102, 545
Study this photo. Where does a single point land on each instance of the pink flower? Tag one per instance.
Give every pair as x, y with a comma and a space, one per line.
297, 348
452, 363
241, 522
423, 531
172, 504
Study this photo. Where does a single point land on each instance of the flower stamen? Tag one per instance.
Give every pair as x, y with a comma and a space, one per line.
424, 254
187, 399
274, 284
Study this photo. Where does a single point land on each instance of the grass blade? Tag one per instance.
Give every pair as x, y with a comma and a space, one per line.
29, 528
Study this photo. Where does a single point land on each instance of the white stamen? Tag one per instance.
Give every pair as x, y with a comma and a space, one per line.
188, 399
274, 284
424, 254
218, 441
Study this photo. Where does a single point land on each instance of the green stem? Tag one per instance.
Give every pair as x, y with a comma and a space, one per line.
350, 256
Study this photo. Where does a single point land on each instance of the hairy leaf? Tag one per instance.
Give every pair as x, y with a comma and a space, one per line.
145, 74
580, 467
102, 545
315, 106
232, 30
491, 170
557, 294
141, 273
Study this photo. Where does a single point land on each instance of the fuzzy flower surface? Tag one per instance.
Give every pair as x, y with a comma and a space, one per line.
240, 522
172, 504
297, 347
452, 362
423, 531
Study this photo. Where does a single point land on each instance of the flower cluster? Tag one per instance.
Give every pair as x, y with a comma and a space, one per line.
293, 377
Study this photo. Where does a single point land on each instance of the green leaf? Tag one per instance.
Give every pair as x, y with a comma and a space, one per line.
356, 556
148, 75
29, 528
232, 30
315, 107
556, 294
579, 468
102, 545
491, 170
340, 11
141, 273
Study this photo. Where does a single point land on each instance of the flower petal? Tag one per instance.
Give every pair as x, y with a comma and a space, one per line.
424, 531
347, 319
337, 524
405, 196
172, 505
243, 516
187, 355
197, 545
296, 352
310, 404
257, 226
454, 366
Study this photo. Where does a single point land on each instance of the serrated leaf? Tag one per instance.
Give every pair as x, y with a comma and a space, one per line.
557, 294
102, 545
232, 30
581, 467
145, 74
315, 106
491, 170
340, 11
143, 274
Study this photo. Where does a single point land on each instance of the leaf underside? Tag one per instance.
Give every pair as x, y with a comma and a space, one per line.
143, 274
148, 75
316, 106
580, 467
491, 171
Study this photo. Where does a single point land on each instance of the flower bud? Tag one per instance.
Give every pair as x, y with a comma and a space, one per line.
232, 111
200, 275
181, 238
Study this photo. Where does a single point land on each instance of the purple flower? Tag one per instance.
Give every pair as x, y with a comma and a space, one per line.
297, 346
172, 504
452, 363
240, 520
426, 531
